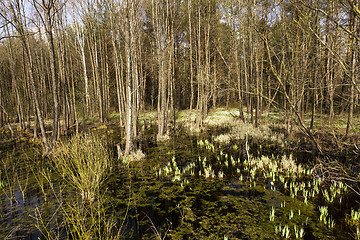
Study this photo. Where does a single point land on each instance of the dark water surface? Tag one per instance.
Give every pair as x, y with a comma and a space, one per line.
182, 190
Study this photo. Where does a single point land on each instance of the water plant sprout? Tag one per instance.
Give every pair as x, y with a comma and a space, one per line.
281, 172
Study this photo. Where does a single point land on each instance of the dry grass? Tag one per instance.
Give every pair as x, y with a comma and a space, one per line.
223, 139
238, 130
162, 138
134, 156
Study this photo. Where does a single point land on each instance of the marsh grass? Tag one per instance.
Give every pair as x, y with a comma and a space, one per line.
84, 162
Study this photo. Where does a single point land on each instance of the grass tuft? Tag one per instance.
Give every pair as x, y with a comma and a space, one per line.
162, 138
84, 162
134, 157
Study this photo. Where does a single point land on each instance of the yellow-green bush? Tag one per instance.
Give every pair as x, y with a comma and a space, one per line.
84, 162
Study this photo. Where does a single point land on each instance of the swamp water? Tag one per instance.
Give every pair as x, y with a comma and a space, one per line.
185, 188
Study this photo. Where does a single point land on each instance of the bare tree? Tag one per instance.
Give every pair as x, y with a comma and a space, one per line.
17, 20
46, 10
131, 31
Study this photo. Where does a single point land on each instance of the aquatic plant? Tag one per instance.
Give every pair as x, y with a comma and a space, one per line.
327, 197
233, 163
221, 174
291, 214
354, 221
207, 172
355, 216
324, 217
208, 145
2, 182
84, 162
272, 214
284, 231
323, 212
299, 232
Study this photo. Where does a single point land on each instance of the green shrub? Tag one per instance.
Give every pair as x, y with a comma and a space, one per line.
84, 162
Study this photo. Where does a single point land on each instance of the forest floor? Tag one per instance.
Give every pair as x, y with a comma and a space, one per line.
330, 137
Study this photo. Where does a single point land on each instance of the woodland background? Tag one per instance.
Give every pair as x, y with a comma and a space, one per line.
65, 61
